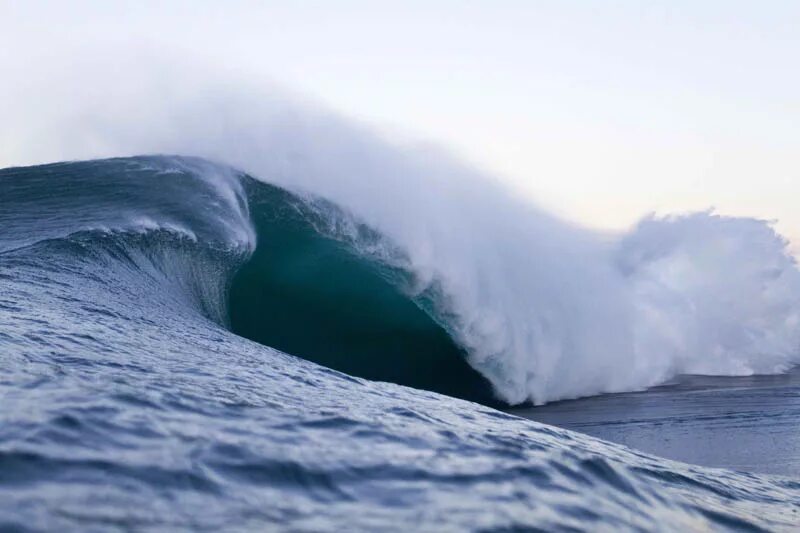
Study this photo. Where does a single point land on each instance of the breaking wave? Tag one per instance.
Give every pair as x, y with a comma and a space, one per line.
473, 294
122, 279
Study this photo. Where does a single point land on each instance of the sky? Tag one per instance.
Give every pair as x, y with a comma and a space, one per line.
602, 111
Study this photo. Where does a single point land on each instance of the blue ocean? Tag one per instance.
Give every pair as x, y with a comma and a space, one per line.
188, 345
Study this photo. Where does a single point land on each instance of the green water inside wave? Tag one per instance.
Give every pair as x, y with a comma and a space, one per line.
309, 294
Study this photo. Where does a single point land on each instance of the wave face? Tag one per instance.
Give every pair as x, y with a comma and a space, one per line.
120, 282
313, 288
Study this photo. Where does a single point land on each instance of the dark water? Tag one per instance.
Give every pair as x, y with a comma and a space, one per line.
742, 423
301, 279
127, 403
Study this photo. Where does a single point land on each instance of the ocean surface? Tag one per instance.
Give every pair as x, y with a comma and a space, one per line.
747, 423
184, 346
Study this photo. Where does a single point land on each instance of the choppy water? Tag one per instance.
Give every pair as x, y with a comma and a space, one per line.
126, 401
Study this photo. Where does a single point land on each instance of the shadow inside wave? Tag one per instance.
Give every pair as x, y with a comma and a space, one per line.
309, 294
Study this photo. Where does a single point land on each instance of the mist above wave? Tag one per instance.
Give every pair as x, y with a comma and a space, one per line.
546, 309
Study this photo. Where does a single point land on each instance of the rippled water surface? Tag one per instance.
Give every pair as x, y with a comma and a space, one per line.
748, 423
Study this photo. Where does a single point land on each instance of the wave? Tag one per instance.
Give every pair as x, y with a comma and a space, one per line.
542, 308
514, 307
120, 283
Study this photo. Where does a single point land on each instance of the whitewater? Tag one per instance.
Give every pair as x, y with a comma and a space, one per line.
173, 327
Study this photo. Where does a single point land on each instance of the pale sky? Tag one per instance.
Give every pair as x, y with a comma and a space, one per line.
601, 111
